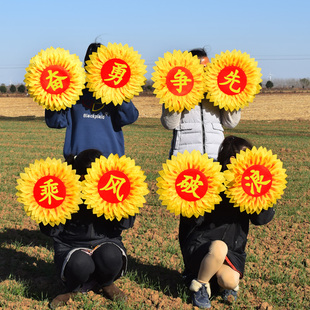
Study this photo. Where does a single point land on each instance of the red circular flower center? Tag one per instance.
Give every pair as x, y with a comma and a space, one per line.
191, 184
55, 79
180, 81
49, 192
232, 80
256, 180
115, 73
114, 186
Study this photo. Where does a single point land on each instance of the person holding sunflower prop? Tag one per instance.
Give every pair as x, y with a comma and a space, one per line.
89, 253
201, 127
92, 124
213, 245
93, 129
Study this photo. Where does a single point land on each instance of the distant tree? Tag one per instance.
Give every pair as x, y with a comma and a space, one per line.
148, 85
3, 89
13, 89
269, 84
21, 88
304, 83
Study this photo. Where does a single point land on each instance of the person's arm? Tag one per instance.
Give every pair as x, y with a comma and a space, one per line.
230, 119
127, 113
56, 119
187, 226
124, 223
264, 217
170, 120
127, 223
50, 231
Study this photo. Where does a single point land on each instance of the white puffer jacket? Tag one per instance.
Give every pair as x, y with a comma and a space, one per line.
199, 129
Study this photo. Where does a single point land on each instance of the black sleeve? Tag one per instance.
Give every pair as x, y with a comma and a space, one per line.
50, 231
187, 226
264, 217
124, 223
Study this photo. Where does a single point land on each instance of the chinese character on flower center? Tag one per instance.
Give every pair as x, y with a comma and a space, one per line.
115, 183
49, 191
256, 182
231, 79
55, 81
190, 185
117, 73
180, 80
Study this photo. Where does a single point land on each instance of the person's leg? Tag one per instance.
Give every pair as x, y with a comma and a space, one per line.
209, 266
213, 261
228, 279
77, 272
108, 260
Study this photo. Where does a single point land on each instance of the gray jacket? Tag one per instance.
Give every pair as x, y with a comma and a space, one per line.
200, 128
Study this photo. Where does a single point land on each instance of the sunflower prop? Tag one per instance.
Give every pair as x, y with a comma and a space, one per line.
115, 73
114, 187
179, 81
232, 80
255, 179
55, 79
50, 191
190, 184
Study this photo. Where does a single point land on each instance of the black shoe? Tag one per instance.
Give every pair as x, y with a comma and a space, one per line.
229, 296
200, 296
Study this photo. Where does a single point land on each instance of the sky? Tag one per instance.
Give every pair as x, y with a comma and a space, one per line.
275, 33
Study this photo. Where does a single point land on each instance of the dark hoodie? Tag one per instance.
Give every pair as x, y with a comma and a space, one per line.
225, 223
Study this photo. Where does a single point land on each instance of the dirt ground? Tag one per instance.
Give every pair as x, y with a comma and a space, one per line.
266, 106
270, 106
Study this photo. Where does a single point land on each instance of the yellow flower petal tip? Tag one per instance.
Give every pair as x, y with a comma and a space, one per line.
233, 80
55, 79
50, 191
255, 180
190, 184
114, 187
115, 73
179, 81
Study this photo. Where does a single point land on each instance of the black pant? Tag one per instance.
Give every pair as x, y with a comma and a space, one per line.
104, 266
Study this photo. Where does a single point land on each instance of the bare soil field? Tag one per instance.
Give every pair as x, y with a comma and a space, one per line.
266, 106
281, 239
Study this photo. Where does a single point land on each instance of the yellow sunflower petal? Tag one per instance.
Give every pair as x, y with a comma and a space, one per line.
114, 187
255, 180
55, 79
50, 191
190, 184
179, 81
115, 73
233, 80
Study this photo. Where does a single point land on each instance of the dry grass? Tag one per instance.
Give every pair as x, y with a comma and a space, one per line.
278, 266
266, 106
279, 106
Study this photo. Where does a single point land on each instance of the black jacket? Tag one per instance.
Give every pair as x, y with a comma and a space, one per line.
225, 223
85, 229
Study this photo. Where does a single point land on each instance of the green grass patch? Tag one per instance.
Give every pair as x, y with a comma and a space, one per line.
277, 271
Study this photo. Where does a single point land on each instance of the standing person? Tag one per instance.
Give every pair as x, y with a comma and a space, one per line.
200, 128
92, 125
89, 253
213, 245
